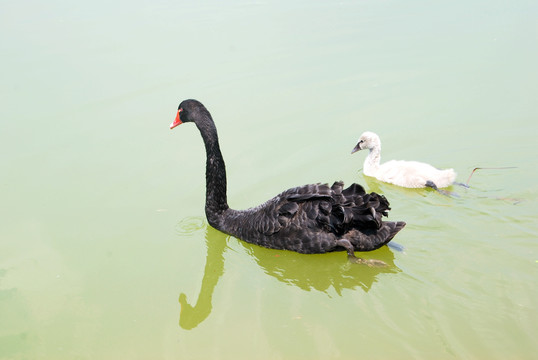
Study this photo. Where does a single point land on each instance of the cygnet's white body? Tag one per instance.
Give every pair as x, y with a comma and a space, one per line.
410, 174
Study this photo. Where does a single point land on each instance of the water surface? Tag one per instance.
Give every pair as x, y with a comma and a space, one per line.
105, 252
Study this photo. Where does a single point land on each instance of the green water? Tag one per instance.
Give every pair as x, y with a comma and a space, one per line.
104, 249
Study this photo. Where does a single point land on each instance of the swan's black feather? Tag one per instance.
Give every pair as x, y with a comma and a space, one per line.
307, 219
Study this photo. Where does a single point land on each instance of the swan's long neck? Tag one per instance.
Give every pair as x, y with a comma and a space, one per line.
215, 174
371, 163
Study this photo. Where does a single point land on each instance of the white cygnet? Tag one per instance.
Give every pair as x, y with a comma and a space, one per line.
409, 174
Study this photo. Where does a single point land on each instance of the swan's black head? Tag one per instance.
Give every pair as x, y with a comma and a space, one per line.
189, 111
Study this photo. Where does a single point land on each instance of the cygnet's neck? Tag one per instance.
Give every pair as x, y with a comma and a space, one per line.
371, 163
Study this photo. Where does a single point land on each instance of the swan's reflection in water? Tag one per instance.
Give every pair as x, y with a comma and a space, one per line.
322, 271
319, 272
191, 316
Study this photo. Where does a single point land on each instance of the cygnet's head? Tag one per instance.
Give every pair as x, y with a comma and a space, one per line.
368, 140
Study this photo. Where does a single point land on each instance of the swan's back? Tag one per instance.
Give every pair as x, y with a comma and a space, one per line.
413, 174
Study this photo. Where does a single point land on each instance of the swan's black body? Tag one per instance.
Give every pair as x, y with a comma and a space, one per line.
309, 219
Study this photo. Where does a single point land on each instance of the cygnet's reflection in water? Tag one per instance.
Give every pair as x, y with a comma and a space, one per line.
308, 272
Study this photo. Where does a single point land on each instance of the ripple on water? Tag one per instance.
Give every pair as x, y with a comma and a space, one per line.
189, 225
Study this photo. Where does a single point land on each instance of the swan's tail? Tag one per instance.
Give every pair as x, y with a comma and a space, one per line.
373, 239
395, 226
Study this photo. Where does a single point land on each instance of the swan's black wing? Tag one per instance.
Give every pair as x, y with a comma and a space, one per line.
321, 207
334, 209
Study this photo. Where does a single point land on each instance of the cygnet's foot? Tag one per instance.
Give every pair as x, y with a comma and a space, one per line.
368, 262
432, 185
448, 193
462, 185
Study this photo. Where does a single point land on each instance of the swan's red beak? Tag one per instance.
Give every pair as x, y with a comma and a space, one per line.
177, 121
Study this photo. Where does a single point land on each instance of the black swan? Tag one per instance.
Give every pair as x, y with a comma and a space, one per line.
308, 219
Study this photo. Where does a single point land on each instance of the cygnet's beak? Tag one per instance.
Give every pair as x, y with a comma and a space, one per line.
356, 148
